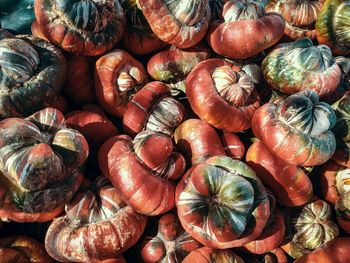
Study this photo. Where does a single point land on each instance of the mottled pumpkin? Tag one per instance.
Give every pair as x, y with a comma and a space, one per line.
22, 249
142, 170
38, 159
222, 203
179, 23
299, 15
333, 26
88, 28
32, 72
245, 30
300, 65
153, 109
300, 124
171, 243
222, 94
138, 38
98, 225
211, 255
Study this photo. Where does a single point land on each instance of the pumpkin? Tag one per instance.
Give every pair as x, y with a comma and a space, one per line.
275, 256
22, 249
222, 203
211, 255
173, 65
142, 170
198, 141
119, 259
179, 23
98, 225
300, 124
290, 183
87, 28
32, 74
312, 227
297, 66
335, 251
332, 26
223, 95
171, 243
153, 109
342, 208
245, 30
300, 16
17, 15
79, 86
118, 76
39, 157
138, 38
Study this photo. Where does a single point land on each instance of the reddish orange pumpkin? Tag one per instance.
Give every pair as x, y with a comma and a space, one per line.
211, 255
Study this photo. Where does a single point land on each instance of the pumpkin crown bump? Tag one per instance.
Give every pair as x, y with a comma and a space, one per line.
342, 206
342, 181
130, 78
305, 113
187, 12
235, 87
242, 10
304, 55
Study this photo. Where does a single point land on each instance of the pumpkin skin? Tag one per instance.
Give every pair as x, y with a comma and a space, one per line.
142, 170
32, 74
300, 124
22, 249
98, 225
118, 76
275, 256
335, 251
171, 244
119, 259
173, 65
223, 95
312, 227
179, 23
299, 16
211, 255
138, 38
39, 156
206, 203
297, 66
245, 30
332, 26
289, 183
87, 28
153, 109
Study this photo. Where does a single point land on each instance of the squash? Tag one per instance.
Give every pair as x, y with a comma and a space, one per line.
210, 255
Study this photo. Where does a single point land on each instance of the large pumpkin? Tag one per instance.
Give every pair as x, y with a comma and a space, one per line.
88, 28
179, 23
98, 225
333, 25
171, 243
38, 159
245, 30
298, 66
297, 130
223, 95
211, 255
142, 170
32, 73
222, 203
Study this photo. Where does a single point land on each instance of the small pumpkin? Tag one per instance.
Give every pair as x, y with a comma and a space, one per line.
211, 255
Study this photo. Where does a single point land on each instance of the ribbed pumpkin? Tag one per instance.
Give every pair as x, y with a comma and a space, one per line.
142, 170
300, 65
38, 159
22, 249
98, 225
300, 124
179, 23
88, 28
222, 203
153, 109
211, 255
32, 72
333, 26
299, 15
222, 94
171, 243
245, 30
